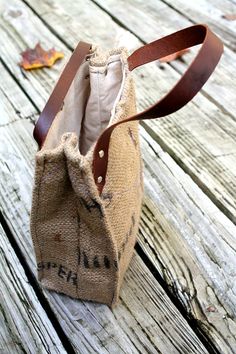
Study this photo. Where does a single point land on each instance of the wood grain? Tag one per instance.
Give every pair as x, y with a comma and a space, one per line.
16, 188
201, 137
159, 20
24, 325
191, 243
144, 322
211, 12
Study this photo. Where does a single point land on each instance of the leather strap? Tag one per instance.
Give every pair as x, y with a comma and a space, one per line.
186, 88
58, 95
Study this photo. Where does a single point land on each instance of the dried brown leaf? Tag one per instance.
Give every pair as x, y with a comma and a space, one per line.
39, 58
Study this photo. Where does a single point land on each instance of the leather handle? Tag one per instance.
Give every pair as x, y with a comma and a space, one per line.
186, 88
58, 95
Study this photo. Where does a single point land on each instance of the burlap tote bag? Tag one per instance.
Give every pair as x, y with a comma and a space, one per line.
88, 175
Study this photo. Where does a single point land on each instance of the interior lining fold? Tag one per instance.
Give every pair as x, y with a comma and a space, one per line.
89, 104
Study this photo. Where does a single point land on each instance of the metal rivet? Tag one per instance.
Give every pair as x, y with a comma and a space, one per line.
99, 179
101, 153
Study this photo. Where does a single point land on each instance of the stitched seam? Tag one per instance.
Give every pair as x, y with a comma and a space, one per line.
95, 68
37, 209
99, 106
78, 244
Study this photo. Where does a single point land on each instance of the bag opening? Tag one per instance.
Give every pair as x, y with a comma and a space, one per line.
89, 104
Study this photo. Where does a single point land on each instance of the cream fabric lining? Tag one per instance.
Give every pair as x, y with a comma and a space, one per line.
89, 104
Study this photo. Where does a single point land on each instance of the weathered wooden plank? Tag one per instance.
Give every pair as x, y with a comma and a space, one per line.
96, 328
203, 146
24, 325
199, 154
160, 19
191, 243
28, 28
27, 187
211, 12
209, 164
145, 320
208, 151
16, 183
196, 137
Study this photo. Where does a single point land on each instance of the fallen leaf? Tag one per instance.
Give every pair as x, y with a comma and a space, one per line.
173, 56
39, 58
229, 17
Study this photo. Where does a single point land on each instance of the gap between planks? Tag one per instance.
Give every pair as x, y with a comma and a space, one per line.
165, 131
128, 275
212, 351
216, 184
33, 282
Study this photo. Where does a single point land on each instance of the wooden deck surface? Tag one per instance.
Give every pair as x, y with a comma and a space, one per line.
179, 294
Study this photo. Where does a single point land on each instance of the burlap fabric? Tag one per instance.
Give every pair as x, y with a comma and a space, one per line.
84, 241
85, 212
